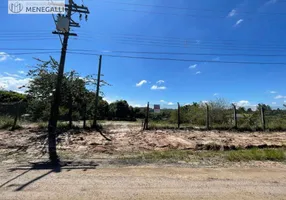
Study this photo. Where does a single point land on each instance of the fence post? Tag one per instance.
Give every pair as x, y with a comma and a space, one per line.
84, 116
234, 116
262, 117
179, 115
208, 117
16, 117
70, 104
147, 117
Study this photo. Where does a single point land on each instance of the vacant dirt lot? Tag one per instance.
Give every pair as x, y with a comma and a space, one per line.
143, 183
98, 174
128, 138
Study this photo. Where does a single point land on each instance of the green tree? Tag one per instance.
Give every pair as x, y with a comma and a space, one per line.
76, 99
119, 110
10, 96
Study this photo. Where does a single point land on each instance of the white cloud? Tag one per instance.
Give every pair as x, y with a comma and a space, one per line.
160, 81
216, 94
21, 72
14, 83
280, 97
243, 103
238, 22
19, 59
205, 101
108, 100
273, 92
3, 56
141, 83
155, 87
162, 101
8, 74
193, 66
170, 103
273, 103
198, 72
232, 13
137, 105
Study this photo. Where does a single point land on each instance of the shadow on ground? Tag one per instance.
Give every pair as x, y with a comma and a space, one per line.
53, 168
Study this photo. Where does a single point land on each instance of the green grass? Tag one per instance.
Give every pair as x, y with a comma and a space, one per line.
156, 156
7, 122
173, 156
170, 156
257, 154
42, 125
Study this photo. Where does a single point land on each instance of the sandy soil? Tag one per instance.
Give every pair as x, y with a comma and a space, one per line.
82, 180
144, 183
128, 138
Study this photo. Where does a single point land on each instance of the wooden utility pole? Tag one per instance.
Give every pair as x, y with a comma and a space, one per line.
147, 117
234, 116
71, 7
179, 115
262, 112
97, 93
207, 117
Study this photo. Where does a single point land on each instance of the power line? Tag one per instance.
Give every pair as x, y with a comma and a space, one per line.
25, 40
189, 45
40, 52
178, 14
19, 33
163, 40
186, 9
183, 53
182, 60
151, 52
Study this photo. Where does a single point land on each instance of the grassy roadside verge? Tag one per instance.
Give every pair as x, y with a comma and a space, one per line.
188, 156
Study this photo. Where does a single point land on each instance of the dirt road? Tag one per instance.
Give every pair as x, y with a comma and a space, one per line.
144, 183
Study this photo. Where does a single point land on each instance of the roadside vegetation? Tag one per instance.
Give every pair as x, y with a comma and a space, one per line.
189, 156
78, 97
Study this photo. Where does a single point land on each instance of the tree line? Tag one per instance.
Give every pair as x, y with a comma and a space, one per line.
78, 97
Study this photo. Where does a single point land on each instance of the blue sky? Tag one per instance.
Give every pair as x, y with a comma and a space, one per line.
209, 27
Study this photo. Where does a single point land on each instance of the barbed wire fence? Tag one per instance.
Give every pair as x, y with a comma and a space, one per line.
210, 116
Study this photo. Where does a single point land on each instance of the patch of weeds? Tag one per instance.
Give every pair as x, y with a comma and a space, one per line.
162, 125
257, 154
156, 156
42, 125
6, 122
